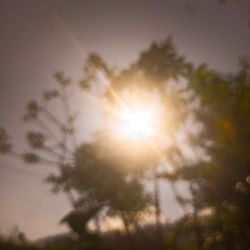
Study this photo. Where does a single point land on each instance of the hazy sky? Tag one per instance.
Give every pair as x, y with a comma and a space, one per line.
34, 43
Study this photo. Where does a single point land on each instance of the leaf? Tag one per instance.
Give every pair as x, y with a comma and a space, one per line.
30, 158
50, 94
5, 146
35, 139
32, 111
61, 79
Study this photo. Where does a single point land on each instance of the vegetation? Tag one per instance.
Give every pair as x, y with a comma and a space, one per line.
100, 178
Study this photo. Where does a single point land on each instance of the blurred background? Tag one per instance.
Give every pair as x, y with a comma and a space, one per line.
39, 38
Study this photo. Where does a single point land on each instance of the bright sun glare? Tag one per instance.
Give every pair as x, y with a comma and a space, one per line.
136, 122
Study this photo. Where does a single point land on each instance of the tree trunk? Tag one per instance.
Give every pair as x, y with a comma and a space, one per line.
128, 235
158, 211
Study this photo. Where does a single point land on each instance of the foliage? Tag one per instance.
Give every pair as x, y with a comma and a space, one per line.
100, 182
223, 182
5, 146
96, 176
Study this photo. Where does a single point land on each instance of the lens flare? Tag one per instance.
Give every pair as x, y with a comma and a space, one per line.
136, 122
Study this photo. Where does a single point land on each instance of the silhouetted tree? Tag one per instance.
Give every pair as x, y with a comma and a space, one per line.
100, 174
222, 184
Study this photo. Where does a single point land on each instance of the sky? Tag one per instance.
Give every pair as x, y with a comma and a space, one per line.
39, 37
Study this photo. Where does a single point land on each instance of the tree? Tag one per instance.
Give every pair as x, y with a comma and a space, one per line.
159, 70
223, 182
86, 173
91, 178
101, 174
100, 182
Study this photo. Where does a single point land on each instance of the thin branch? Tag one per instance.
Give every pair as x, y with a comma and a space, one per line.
52, 118
40, 159
68, 114
51, 151
62, 159
21, 170
42, 125
178, 198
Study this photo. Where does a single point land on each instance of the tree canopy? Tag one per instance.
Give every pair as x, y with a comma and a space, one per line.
210, 109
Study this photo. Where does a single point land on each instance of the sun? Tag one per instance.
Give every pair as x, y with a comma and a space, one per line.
135, 118
136, 122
